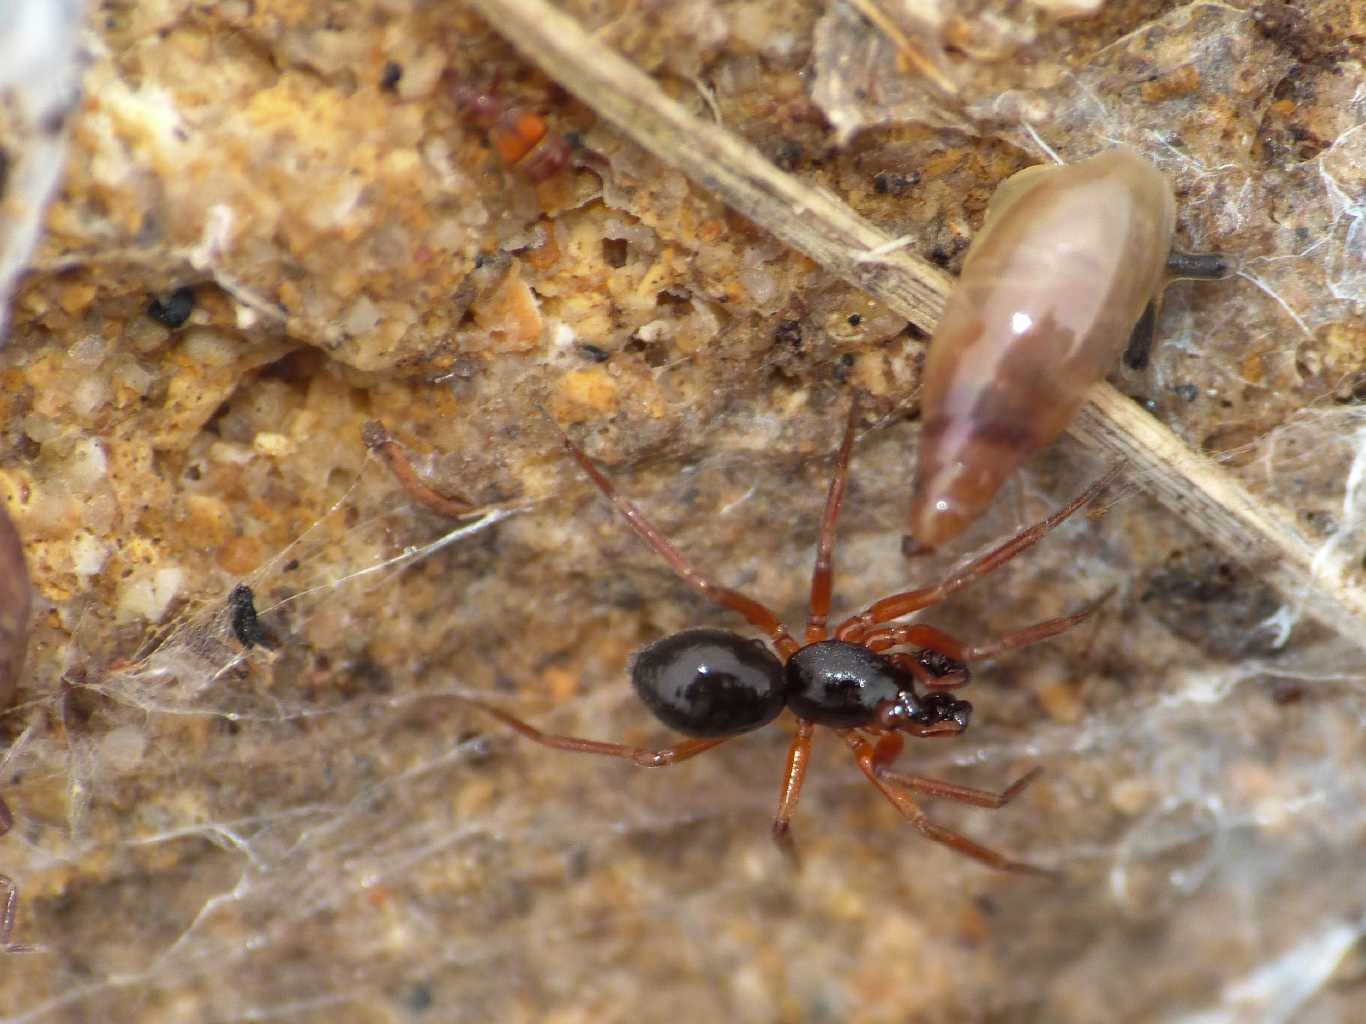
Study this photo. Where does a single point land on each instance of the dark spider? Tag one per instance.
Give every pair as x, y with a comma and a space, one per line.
711, 684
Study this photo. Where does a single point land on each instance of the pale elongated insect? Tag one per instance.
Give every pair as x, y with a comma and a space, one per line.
1067, 260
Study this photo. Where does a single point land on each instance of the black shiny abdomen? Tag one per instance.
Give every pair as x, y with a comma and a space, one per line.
841, 684
709, 683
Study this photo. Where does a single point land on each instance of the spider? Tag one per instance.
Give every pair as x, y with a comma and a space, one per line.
712, 684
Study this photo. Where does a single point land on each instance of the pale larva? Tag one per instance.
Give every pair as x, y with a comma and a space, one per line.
1066, 262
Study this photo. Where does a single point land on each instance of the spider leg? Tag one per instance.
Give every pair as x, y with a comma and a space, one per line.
798, 755
822, 577
857, 626
939, 730
962, 794
910, 810
913, 634
1033, 634
928, 638
642, 756
888, 748
922, 674
377, 439
757, 614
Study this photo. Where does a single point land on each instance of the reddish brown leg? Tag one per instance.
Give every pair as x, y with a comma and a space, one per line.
922, 675
822, 577
916, 635
855, 628
940, 730
642, 756
757, 614
910, 810
913, 635
377, 439
798, 754
963, 794
926, 637
888, 748
949, 681
1033, 634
